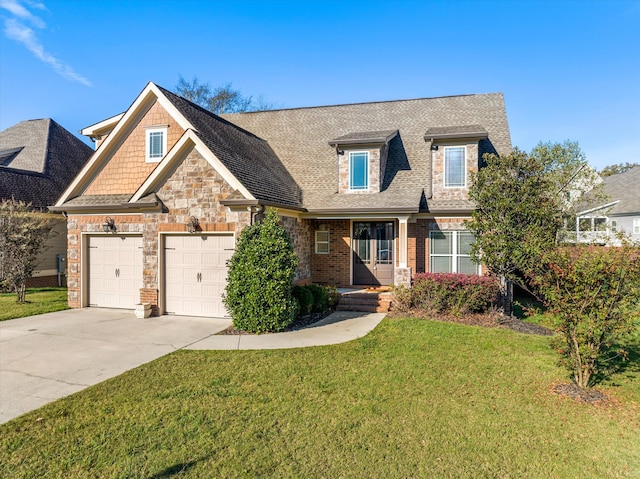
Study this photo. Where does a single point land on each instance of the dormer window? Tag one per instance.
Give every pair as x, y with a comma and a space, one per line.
358, 170
156, 144
455, 167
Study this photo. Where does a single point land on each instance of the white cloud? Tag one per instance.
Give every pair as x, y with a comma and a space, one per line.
16, 29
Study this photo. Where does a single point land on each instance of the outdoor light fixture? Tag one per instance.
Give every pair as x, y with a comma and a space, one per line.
434, 147
109, 226
193, 225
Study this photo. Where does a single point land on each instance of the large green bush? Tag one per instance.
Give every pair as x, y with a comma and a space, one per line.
594, 292
261, 271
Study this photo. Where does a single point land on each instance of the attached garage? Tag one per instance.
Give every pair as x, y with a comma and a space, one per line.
195, 274
114, 271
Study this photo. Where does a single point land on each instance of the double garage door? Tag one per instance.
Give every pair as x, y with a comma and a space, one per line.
194, 276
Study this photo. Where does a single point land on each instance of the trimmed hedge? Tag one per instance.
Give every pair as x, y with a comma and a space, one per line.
452, 293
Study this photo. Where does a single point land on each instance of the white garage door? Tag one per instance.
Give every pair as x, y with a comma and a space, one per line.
115, 271
196, 274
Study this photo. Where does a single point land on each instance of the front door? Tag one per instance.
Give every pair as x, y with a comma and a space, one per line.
372, 245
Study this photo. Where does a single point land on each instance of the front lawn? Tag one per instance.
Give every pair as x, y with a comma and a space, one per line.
414, 398
39, 301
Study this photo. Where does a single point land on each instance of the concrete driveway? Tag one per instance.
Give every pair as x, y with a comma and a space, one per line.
49, 356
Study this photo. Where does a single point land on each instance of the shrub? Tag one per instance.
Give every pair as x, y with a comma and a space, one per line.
594, 292
454, 293
258, 293
305, 299
319, 298
333, 297
401, 298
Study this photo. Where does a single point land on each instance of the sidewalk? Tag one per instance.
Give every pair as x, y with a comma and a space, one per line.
339, 327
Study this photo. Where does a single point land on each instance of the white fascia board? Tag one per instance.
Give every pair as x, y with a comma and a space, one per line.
102, 125
608, 205
188, 140
149, 94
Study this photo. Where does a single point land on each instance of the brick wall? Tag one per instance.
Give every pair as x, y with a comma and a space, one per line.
126, 171
332, 268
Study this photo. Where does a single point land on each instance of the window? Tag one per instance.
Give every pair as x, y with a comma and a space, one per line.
449, 252
613, 225
156, 143
359, 170
322, 242
454, 166
636, 226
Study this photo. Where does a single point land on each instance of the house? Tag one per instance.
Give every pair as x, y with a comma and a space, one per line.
38, 160
370, 194
601, 221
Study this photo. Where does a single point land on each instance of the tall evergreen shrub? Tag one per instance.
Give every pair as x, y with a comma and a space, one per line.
260, 278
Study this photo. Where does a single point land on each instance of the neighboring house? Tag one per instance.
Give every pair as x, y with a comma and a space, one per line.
38, 160
370, 194
619, 212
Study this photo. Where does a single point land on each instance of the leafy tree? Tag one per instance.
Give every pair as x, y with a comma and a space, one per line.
522, 201
595, 294
617, 168
516, 218
23, 234
222, 99
260, 278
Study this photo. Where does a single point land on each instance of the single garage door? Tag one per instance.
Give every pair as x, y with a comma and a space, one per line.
115, 271
196, 274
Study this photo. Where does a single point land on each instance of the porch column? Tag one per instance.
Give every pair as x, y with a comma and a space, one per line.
403, 241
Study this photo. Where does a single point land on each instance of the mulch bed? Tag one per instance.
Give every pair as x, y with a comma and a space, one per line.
301, 322
575, 392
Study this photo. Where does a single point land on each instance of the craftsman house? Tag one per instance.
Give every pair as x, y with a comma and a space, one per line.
370, 193
38, 160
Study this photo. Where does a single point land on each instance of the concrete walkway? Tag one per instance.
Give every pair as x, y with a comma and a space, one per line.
49, 356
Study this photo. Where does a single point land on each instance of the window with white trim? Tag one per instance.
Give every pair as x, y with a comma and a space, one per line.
156, 144
358, 170
636, 226
322, 242
449, 252
455, 167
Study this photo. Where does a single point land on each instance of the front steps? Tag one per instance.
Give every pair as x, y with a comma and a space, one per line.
366, 302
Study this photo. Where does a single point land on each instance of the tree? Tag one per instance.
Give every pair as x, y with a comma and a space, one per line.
523, 201
594, 292
260, 278
617, 168
23, 234
223, 99
516, 218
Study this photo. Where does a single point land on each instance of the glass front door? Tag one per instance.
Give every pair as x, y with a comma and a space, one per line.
372, 245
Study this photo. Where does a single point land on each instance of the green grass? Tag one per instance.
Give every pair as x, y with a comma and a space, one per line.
38, 301
414, 398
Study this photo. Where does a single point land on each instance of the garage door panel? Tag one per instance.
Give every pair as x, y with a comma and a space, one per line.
115, 271
195, 274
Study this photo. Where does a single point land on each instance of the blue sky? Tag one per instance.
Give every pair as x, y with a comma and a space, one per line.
568, 69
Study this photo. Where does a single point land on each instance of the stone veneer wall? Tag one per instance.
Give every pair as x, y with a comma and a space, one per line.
375, 177
439, 192
332, 268
300, 234
194, 189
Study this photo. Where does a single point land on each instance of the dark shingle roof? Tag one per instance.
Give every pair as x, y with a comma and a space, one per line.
48, 160
450, 132
300, 137
364, 137
249, 158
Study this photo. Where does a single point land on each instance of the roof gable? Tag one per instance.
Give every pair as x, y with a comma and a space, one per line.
41, 158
